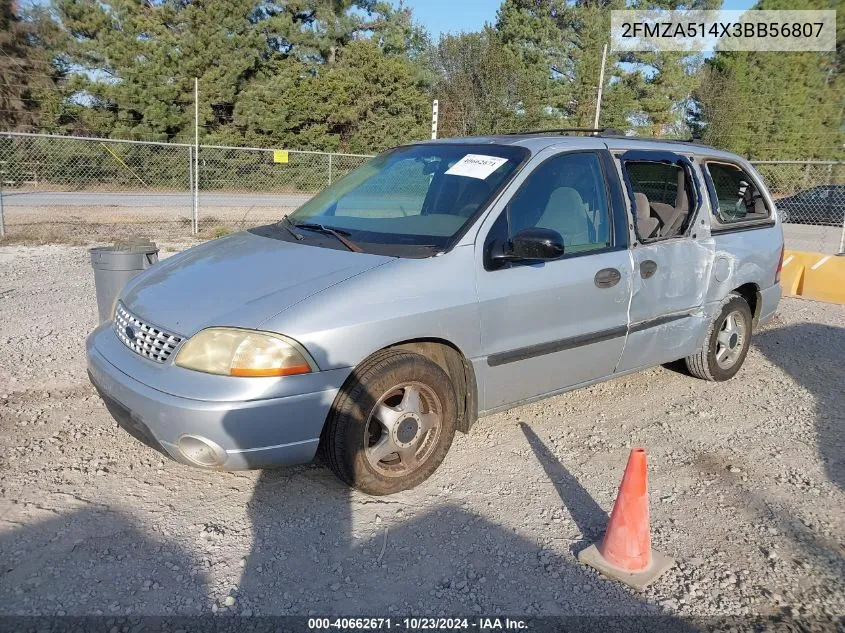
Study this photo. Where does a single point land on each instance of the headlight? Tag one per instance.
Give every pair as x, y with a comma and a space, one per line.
235, 352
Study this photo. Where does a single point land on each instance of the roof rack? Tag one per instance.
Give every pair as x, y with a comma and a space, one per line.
594, 131
609, 132
685, 141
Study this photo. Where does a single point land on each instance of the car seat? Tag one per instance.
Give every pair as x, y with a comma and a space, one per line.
646, 223
566, 213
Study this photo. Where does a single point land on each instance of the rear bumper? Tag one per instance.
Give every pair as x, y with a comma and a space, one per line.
769, 299
250, 434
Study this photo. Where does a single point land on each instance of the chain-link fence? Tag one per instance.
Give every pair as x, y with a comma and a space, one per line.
810, 196
58, 188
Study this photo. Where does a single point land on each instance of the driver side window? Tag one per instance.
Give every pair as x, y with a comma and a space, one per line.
566, 194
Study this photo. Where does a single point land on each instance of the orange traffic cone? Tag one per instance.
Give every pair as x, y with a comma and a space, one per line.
625, 552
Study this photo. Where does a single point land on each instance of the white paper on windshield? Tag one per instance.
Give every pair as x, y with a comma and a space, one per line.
476, 166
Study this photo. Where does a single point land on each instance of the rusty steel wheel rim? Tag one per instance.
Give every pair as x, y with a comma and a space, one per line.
403, 429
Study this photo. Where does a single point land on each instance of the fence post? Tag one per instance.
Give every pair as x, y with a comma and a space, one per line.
330, 168
196, 156
2, 218
191, 188
196, 189
839, 167
841, 239
2, 179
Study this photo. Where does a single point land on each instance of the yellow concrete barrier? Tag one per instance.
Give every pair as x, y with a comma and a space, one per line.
814, 276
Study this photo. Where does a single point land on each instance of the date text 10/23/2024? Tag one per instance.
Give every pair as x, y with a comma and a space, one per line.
418, 624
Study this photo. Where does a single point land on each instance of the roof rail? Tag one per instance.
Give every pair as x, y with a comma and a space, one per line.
658, 139
594, 131
609, 132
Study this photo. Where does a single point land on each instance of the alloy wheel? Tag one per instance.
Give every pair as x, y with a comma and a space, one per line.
731, 339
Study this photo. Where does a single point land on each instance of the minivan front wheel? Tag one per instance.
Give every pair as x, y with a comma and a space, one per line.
727, 342
392, 423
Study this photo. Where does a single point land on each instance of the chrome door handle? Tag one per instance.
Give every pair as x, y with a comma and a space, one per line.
607, 278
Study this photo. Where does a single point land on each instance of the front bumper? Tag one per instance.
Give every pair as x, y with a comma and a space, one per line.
258, 433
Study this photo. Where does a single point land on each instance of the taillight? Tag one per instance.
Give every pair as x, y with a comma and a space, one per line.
780, 265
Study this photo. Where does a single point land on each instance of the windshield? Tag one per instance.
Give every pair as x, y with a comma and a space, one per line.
417, 195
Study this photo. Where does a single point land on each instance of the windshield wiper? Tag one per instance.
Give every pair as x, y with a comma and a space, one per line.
338, 233
288, 224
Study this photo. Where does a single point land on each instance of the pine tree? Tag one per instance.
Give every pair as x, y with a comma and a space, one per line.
563, 42
26, 76
139, 61
364, 101
772, 105
484, 87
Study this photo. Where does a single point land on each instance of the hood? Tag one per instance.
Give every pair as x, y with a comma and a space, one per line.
241, 280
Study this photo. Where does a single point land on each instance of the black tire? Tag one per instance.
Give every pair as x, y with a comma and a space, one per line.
704, 363
347, 433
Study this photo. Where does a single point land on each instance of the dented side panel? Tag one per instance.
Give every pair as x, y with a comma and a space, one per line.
748, 255
667, 317
745, 257
679, 284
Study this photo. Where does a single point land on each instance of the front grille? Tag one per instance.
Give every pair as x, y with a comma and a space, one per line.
145, 339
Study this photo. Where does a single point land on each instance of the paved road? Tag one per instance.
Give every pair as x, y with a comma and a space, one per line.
823, 239
818, 239
135, 199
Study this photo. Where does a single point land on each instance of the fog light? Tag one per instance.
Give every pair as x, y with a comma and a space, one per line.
201, 451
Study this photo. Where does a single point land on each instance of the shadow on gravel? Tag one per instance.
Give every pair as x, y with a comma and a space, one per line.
320, 548
587, 514
822, 553
93, 562
809, 354
312, 555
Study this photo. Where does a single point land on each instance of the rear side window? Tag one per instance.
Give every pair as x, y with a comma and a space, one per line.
737, 199
662, 197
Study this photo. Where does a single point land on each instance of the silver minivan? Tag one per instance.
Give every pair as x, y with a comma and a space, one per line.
440, 282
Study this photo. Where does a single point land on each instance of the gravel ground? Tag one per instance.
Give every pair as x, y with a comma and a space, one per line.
746, 484
97, 223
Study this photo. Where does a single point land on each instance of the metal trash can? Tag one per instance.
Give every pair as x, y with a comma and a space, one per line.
115, 265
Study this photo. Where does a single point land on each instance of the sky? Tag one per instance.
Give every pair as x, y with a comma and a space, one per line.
454, 16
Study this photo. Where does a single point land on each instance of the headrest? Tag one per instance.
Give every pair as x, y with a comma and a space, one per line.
681, 200
643, 207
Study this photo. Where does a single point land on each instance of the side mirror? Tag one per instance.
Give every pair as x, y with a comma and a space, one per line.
535, 244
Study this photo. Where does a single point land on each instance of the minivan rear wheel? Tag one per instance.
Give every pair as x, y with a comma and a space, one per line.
391, 424
727, 342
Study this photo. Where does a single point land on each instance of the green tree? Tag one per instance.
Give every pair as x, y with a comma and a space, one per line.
530, 29
773, 105
136, 61
643, 91
663, 82
27, 78
563, 41
586, 27
484, 87
365, 101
